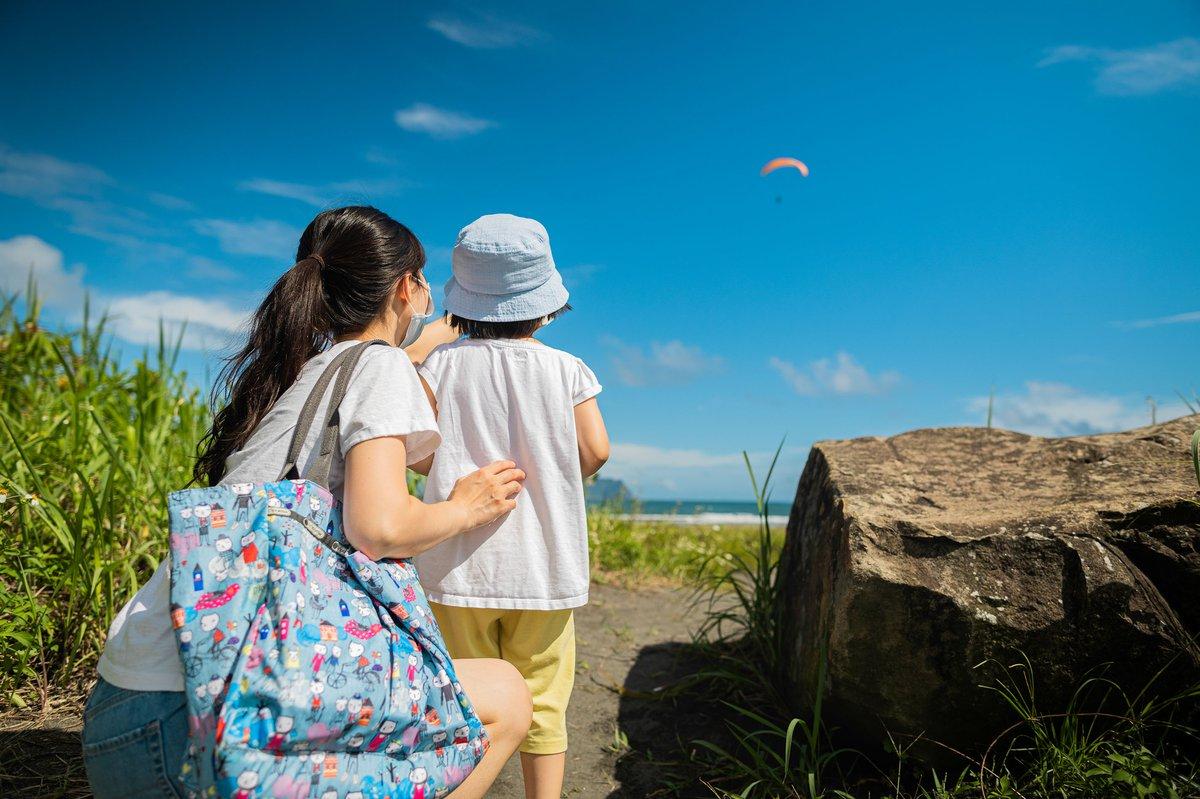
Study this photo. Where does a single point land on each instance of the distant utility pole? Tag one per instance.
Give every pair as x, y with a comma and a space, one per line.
1153, 410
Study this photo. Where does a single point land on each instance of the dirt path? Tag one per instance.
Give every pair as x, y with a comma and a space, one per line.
630, 642
626, 642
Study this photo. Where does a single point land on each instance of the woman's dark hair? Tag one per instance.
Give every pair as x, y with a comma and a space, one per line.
347, 265
493, 330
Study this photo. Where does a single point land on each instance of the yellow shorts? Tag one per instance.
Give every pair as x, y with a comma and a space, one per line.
540, 643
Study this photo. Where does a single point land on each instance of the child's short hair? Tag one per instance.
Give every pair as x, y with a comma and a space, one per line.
472, 328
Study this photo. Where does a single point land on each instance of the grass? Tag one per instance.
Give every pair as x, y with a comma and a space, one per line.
623, 550
91, 443
88, 451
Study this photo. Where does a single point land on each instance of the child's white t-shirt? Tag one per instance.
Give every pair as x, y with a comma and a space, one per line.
515, 400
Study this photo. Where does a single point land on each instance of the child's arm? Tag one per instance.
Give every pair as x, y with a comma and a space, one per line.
422, 466
433, 336
593, 437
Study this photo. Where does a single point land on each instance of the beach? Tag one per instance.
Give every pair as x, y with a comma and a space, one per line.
691, 513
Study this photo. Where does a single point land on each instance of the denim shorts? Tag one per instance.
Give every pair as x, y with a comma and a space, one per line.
134, 742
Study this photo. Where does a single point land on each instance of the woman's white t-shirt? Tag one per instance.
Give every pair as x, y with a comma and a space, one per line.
384, 398
510, 400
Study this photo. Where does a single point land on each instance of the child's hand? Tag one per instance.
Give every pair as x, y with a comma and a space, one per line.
487, 494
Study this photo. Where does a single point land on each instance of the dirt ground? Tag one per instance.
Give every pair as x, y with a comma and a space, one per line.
631, 644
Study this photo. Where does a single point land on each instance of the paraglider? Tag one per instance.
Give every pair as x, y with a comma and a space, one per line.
779, 163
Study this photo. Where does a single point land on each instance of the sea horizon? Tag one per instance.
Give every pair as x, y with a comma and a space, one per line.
695, 511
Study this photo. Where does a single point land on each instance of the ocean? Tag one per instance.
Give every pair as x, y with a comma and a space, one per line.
699, 512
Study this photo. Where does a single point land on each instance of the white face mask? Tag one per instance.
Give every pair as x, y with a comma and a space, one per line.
417, 322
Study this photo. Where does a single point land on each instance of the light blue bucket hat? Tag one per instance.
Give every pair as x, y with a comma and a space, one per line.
503, 271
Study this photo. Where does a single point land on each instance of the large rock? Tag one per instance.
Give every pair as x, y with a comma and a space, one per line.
911, 560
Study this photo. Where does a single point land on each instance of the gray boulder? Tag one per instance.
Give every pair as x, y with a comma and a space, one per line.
911, 560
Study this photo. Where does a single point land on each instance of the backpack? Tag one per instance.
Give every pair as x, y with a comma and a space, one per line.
310, 670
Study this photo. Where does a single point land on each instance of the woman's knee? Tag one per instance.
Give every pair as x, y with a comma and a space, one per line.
515, 704
500, 696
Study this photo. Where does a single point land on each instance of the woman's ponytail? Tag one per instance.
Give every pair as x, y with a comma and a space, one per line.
348, 262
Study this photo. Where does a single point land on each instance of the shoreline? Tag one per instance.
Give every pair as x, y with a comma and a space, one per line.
705, 519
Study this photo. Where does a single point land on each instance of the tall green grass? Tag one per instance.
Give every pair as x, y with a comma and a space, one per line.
742, 634
624, 550
89, 449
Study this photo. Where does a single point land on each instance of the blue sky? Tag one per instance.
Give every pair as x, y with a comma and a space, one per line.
1001, 195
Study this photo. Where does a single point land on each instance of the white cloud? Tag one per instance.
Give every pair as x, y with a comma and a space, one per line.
485, 33
132, 317
321, 196
440, 123
367, 188
800, 382
74, 189
266, 237
125, 227
381, 157
205, 323
1176, 319
1143, 70
644, 456
666, 363
654, 472
203, 268
580, 273
292, 191
41, 177
1056, 409
57, 285
83, 193
842, 375
169, 201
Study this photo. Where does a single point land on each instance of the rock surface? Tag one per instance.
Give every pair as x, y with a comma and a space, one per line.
911, 560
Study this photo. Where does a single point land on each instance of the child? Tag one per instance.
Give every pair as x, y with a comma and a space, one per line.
507, 590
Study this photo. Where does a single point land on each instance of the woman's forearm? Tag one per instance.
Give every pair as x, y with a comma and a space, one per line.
382, 520
426, 525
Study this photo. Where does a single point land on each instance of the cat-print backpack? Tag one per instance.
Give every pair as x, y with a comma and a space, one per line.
311, 671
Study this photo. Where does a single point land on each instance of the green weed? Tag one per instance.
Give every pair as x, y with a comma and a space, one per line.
88, 451
622, 548
742, 633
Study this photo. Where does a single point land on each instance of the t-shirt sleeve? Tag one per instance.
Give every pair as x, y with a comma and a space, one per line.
385, 398
584, 383
431, 368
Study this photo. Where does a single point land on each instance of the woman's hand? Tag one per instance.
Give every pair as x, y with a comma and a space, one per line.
487, 494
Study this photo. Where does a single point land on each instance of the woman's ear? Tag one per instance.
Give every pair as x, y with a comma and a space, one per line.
404, 290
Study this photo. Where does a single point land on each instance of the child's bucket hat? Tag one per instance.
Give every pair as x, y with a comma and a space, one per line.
503, 271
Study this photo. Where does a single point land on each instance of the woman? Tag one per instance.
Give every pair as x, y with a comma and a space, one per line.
357, 278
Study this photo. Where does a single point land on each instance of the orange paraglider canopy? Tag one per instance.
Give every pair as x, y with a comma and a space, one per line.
777, 163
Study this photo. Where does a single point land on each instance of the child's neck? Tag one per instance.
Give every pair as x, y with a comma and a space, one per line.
511, 338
